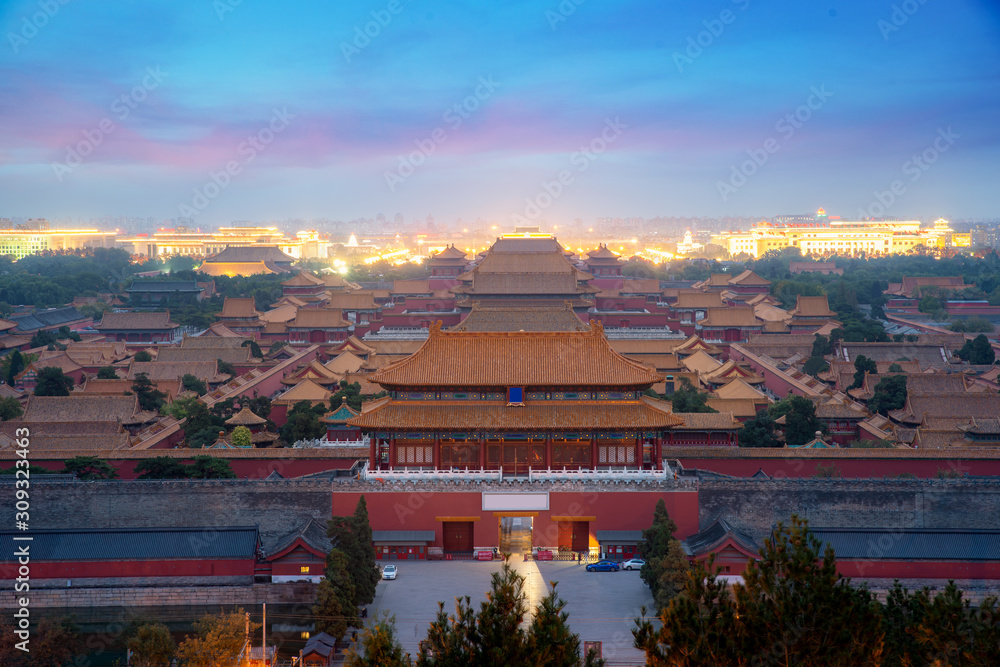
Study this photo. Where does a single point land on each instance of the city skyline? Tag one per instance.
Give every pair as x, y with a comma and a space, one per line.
520, 113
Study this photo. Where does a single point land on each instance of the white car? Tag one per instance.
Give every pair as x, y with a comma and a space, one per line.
633, 564
389, 572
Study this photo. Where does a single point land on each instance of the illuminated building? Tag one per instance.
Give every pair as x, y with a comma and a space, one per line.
35, 236
181, 241
841, 237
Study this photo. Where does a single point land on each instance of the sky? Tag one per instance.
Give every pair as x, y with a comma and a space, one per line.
224, 110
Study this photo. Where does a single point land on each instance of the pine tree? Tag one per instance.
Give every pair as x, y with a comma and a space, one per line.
353, 536
493, 636
673, 568
335, 610
16, 366
794, 609
655, 548
367, 576
378, 646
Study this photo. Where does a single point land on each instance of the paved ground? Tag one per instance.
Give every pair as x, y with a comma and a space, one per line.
601, 605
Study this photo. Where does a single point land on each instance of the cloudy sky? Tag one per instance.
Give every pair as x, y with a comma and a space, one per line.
255, 110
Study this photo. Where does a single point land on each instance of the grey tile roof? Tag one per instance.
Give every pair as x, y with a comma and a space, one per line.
134, 543
165, 286
402, 535
910, 544
707, 539
618, 535
46, 318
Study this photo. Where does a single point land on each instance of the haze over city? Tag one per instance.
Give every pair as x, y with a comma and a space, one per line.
229, 110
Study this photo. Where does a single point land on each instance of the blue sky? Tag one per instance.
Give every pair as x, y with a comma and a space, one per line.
255, 110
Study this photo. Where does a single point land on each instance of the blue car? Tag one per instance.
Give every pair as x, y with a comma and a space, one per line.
603, 566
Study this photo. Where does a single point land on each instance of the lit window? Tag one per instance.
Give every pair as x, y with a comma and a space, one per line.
304, 569
304, 635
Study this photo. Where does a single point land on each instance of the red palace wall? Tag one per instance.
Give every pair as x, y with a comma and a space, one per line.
793, 466
244, 468
605, 510
918, 569
136, 568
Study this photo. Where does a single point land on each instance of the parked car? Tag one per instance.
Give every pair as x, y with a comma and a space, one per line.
633, 564
389, 572
603, 566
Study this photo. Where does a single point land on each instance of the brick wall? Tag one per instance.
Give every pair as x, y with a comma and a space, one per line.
756, 505
276, 506
165, 596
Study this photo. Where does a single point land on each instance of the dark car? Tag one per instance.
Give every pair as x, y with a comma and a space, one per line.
603, 566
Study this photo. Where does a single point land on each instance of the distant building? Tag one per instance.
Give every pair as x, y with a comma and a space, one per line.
824, 268
247, 261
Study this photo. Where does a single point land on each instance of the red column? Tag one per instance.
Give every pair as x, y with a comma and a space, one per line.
437, 452
392, 452
638, 451
593, 453
548, 451
482, 453
658, 452
373, 453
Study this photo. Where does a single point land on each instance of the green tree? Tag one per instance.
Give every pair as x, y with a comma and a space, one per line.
89, 467
220, 639
801, 423
758, 431
895, 368
255, 350
226, 368
52, 381
161, 467
241, 437
662, 569
378, 646
493, 635
822, 346
815, 365
689, 399
890, 394
10, 408
335, 610
15, 366
150, 398
929, 304
353, 535
210, 467
978, 352
972, 325
794, 609
861, 365
151, 646
107, 373
191, 383
303, 423
143, 355
952, 632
